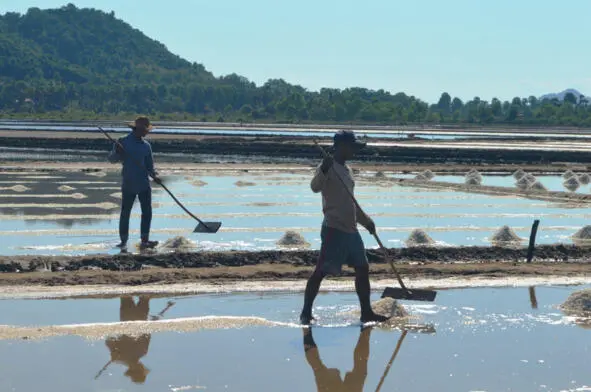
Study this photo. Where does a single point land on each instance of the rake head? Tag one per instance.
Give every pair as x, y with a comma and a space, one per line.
208, 227
410, 295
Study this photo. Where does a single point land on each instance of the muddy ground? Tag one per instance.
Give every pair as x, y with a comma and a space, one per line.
135, 269
302, 147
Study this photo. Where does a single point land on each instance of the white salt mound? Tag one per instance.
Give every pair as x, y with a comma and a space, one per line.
505, 235
578, 303
530, 178
572, 184
291, 238
583, 234
116, 195
522, 183
78, 196
568, 174
518, 174
419, 237
178, 244
472, 181
421, 177
97, 174
585, 179
66, 188
198, 183
537, 186
474, 174
19, 188
428, 174
380, 174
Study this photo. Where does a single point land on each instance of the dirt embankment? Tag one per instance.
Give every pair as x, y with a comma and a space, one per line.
301, 147
133, 269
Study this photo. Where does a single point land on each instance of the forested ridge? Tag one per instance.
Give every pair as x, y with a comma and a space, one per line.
75, 64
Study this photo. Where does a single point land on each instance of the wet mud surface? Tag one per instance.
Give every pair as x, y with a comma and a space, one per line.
302, 147
136, 269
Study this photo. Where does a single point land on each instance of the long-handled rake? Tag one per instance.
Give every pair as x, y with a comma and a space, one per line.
202, 227
394, 292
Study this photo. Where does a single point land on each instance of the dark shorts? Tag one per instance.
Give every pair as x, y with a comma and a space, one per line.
340, 248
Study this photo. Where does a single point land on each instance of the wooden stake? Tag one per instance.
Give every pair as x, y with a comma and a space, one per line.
532, 241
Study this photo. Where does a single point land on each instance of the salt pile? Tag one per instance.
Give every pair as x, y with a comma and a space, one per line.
244, 183
428, 174
572, 184
78, 196
419, 237
116, 195
97, 174
568, 174
198, 183
66, 188
291, 238
19, 188
474, 174
421, 177
178, 244
505, 235
472, 181
537, 186
380, 174
518, 174
522, 183
530, 178
578, 303
584, 179
583, 234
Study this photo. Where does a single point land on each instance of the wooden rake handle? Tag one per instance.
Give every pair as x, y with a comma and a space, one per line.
160, 183
389, 365
375, 235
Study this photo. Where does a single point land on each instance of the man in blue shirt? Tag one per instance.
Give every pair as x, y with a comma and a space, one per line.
138, 165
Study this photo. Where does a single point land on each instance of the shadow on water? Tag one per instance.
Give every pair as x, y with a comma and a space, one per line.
129, 350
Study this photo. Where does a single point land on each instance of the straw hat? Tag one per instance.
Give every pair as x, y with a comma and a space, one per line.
141, 122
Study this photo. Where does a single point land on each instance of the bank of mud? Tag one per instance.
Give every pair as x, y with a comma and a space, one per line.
302, 147
136, 269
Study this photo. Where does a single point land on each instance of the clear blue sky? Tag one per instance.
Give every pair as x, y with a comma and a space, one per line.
501, 48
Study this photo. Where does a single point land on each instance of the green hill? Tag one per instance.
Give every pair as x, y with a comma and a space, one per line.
73, 63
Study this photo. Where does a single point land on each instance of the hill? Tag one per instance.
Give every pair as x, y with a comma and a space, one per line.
76, 64
560, 96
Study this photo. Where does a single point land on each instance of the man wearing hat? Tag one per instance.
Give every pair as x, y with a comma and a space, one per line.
135, 153
341, 241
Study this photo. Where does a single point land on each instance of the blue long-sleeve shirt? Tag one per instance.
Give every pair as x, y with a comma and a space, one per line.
135, 178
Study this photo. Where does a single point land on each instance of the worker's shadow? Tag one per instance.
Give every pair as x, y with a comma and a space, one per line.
129, 350
329, 380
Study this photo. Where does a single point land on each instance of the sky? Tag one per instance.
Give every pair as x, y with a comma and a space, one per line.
468, 48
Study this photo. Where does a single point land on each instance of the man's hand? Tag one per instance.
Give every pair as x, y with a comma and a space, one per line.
370, 226
119, 148
157, 180
326, 164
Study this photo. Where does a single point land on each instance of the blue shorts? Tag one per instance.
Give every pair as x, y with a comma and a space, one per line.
339, 248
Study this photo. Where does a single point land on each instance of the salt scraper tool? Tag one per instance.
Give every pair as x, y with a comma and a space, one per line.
394, 292
202, 227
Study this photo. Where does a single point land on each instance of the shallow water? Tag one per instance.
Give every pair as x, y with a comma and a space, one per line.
256, 216
484, 340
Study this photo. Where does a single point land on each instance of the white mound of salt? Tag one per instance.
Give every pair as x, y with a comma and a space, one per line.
421, 177
78, 196
472, 181
291, 238
66, 188
19, 188
572, 184
428, 174
537, 186
116, 195
585, 179
380, 174
419, 237
568, 174
530, 178
198, 183
583, 234
505, 235
97, 174
474, 174
522, 183
578, 303
518, 174
178, 244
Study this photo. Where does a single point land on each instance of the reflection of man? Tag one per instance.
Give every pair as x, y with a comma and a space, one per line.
329, 380
128, 350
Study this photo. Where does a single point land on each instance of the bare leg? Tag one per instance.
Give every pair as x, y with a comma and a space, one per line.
362, 286
312, 288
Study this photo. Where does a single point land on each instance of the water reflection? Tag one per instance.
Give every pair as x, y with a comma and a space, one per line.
129, 350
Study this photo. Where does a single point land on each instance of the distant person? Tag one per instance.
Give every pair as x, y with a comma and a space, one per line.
138, 165
341, 241
128, 350
329, 380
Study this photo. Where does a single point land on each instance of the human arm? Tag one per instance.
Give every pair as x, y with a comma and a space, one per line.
321, 175
116, 154
364, 220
